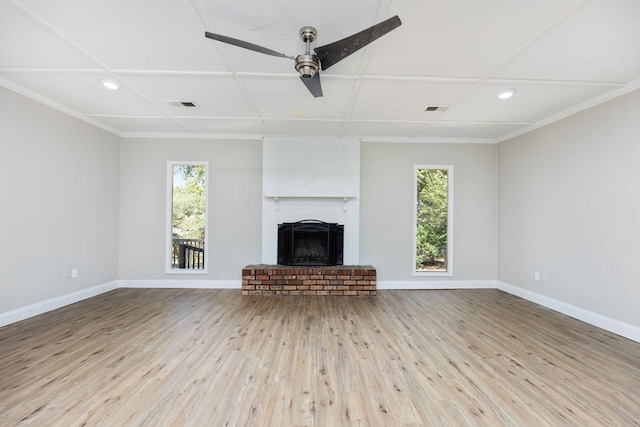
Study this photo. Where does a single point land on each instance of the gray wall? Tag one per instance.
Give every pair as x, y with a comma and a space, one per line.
59, 184
235, 205
386, 208
569, 206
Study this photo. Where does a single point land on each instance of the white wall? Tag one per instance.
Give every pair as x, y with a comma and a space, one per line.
569, 207
59, 183
386, 208
235, 206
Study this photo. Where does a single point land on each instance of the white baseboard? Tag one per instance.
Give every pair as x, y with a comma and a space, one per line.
612, 325
436, 284
55, 303
182, 284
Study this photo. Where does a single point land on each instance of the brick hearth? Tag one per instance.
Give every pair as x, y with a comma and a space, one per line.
265, 279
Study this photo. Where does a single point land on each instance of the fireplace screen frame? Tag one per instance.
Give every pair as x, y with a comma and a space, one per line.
327, 237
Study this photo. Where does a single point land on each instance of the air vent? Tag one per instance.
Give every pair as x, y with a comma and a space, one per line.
189, 104
436, 108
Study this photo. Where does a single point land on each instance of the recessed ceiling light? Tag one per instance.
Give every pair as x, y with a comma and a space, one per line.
506, 94
109, 84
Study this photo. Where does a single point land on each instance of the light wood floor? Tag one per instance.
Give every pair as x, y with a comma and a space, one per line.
170, 357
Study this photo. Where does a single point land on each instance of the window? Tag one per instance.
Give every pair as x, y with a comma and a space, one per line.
433, 214
187, 217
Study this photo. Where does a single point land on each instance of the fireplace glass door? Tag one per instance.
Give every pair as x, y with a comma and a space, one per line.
310, 243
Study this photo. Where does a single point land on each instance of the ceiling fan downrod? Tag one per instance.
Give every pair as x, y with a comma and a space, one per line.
307, 64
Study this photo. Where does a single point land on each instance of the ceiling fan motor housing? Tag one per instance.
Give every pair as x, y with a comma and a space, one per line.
307, 65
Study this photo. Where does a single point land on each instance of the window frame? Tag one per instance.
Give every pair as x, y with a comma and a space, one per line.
449, 271
169, 222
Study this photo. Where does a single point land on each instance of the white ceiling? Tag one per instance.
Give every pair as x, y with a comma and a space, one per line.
561, 56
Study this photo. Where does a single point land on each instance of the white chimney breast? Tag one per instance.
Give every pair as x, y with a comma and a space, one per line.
310, 179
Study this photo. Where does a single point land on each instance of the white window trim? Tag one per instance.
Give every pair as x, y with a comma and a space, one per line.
168, 210
450, 258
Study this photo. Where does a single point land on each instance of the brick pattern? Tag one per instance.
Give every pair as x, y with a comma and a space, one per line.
358, 280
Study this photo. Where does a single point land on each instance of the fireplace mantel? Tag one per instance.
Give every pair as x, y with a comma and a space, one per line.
277, 199
303, 196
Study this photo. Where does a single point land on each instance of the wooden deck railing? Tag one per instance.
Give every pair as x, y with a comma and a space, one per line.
188, 254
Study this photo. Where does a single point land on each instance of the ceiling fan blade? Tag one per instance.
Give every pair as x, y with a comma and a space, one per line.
313, 84
244, 44
335, 52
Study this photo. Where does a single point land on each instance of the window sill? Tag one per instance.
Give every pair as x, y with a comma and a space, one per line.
433, 273
186, 271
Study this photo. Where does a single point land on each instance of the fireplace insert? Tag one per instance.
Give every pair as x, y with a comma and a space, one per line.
310, 242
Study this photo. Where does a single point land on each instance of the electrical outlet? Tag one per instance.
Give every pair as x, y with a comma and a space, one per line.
74, 273
530, 274
536, 275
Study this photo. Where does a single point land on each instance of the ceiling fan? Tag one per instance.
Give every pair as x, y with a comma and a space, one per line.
323, 57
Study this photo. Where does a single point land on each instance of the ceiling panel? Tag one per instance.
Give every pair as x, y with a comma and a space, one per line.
214, 95
186, 50
601, 21
286, 97
438, 57
566, 61
532, 102
601, 42
84, 93
484, 20
140, 34
458, 38
25, 43
389, 99
246, 61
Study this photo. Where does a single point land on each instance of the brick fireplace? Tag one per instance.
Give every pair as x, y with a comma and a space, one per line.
351, 280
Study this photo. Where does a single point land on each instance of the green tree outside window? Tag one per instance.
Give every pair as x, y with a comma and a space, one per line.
188, 214
431, 220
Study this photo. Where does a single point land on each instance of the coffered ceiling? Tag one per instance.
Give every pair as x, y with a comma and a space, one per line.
560, 55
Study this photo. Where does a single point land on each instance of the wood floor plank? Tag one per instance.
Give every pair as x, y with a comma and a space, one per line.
176, 357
